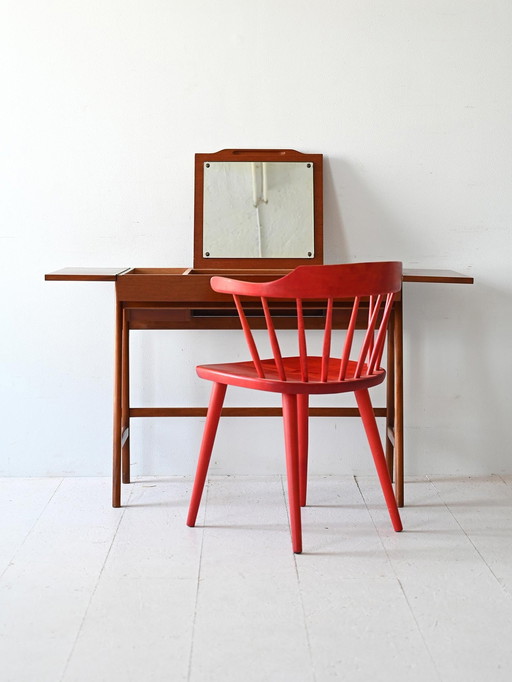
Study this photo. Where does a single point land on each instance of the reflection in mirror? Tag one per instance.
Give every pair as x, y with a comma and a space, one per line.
259, 209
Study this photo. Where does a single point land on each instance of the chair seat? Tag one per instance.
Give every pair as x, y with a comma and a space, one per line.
244, 374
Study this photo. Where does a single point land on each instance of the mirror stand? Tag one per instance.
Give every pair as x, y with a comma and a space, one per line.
257, 209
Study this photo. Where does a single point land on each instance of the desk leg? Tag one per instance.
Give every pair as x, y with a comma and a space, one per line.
399, 402
125, 402
116, 454
390, 396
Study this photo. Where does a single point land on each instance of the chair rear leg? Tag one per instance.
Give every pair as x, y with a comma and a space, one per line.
210, 430
370, 425
303, 432
292, 468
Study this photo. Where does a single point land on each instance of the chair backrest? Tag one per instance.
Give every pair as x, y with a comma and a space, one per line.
371, 286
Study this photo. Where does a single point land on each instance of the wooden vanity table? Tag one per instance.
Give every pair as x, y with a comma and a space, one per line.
181, 298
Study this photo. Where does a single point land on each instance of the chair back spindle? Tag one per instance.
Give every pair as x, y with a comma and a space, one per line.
253, 349
326, 347
274, 342
349, 337
302, 341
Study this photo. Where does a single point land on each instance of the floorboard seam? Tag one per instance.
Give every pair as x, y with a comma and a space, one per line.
193, 629
468, 537
409, 605
302, 607
29, 532
95, 588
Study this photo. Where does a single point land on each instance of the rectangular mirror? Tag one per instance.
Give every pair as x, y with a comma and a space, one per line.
257, 209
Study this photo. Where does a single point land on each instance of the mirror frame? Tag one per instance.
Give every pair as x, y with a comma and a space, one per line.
263, 155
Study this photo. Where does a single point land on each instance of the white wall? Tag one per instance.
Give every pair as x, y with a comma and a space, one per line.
104, 104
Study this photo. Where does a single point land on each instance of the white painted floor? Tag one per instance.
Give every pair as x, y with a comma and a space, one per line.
91, 593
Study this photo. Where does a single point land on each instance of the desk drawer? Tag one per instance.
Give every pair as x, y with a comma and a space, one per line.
227, 318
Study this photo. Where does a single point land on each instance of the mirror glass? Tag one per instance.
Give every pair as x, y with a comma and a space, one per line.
259, 209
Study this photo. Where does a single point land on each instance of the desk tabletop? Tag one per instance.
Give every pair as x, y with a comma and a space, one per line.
86, 274
433, 276
93, 274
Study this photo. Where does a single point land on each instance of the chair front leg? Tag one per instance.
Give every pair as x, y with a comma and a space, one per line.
370, 425
303, 433
292, 468
210, 430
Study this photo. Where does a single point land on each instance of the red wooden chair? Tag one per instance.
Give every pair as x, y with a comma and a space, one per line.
368, 289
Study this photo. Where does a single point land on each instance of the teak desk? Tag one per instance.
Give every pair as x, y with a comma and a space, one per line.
181, 298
